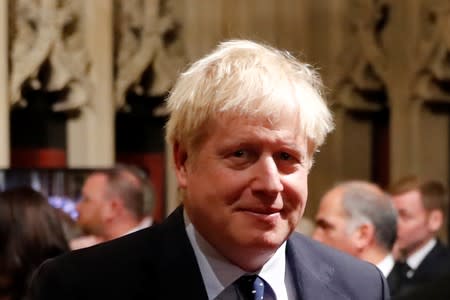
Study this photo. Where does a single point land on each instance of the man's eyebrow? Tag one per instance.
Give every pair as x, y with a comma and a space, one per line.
323, 223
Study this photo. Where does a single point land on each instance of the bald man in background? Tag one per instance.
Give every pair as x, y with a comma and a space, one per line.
358, 218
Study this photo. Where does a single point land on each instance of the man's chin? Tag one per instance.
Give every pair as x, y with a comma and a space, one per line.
267, 240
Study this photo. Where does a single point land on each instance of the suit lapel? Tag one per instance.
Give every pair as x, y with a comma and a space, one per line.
313, 277
181, 278
429, 262
436, 262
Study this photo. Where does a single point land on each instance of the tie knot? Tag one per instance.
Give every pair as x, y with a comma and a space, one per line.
251, 287
404, 266
404, 269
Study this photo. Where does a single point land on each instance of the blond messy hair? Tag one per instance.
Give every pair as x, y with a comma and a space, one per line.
242, 78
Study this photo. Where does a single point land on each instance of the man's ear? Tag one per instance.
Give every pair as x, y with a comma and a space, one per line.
435, 220
180, 158
112, 208
364, 236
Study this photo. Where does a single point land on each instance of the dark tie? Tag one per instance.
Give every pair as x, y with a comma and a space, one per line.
399, 277
251, 287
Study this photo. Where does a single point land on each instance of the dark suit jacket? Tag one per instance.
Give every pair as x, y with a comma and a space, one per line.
434, 266
159, 263
438, 289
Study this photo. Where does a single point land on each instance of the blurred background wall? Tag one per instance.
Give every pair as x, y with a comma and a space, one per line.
82, 82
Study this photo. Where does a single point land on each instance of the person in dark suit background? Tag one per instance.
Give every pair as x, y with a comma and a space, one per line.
422, 207
244, 124
358, 217
436, 289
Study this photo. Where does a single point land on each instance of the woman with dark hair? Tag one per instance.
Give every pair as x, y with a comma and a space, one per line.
30, 232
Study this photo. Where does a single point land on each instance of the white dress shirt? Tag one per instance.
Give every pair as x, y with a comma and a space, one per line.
219, 274
417, 257
386, 265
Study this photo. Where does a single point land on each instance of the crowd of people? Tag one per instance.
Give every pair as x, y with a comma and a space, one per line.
114, 202
397, 230
245, 122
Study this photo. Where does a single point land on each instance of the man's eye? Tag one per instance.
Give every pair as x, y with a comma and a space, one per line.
285, 156
239, 153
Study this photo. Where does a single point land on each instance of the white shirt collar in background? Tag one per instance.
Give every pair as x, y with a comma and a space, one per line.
386, 265
416, 258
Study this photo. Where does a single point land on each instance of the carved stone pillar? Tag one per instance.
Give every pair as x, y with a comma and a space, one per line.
417, 81
322, 47
358, 98
4, 87
91, 136
412, 72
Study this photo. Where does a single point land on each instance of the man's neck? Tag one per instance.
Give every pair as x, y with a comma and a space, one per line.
219, 272
374, 254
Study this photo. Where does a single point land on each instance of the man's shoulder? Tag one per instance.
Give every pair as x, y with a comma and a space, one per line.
305, 247
134, 247
118, 269
436, 262
440, 249
438, 256
344, 275
125, 252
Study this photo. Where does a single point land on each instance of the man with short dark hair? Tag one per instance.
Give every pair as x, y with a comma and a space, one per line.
111, 205
422, 207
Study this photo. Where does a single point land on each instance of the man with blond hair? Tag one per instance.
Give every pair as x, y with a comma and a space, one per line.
244, 124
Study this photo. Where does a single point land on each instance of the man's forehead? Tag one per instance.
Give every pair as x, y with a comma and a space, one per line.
95, 182
410, 198
333, 198
96, 177
283, 130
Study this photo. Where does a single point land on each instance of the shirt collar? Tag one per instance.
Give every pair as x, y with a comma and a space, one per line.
274, 270
416, 258
386, 265
146, 222
218, 273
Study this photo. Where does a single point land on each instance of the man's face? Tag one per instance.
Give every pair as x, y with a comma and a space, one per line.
413, 228
91, 208
331, 223
246, 188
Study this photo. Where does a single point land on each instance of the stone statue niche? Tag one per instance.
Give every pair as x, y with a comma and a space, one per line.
49, 70
147, 54
147, 59
48, 52
361, 101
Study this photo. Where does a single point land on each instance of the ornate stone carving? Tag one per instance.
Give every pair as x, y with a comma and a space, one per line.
147, 58
411, 60
433, 83
48, 33
407, 45
357, 85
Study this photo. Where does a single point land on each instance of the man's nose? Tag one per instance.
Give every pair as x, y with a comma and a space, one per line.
267, 176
